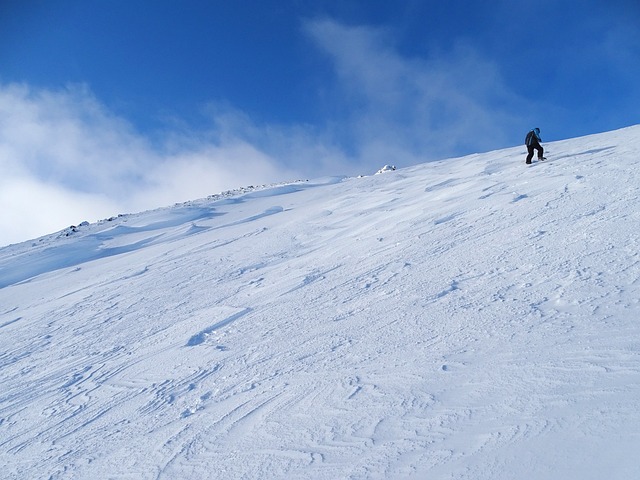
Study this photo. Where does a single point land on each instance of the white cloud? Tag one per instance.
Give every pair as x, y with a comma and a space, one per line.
210, 169
65, 158
29, 208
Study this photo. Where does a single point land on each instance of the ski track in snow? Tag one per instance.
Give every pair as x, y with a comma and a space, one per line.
472, 318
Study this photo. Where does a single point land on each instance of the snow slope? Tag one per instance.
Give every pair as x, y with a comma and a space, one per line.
472, 318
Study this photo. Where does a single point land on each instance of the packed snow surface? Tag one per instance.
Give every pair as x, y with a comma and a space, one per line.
473, 318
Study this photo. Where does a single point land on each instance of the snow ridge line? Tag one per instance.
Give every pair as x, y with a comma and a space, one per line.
201, 337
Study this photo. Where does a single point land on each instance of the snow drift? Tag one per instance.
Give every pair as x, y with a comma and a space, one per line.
472, 318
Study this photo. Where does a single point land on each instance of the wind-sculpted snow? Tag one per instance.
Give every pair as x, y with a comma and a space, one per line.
472, 318
116, 240
129, 234
201, 337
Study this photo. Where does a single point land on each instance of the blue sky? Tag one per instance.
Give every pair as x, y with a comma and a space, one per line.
110, 106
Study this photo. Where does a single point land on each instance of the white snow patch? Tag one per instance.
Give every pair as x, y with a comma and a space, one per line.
472, 318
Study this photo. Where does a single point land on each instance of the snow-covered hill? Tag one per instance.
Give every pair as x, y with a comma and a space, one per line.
472, 318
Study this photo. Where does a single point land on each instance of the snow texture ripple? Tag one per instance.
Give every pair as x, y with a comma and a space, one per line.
472, 318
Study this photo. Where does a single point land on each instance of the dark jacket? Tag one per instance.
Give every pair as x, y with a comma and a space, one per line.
533, 138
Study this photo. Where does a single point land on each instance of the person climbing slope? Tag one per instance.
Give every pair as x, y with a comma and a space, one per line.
532, 141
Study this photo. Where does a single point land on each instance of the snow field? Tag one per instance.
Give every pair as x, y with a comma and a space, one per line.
464, 319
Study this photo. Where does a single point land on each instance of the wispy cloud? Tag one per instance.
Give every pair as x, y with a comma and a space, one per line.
440, 104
